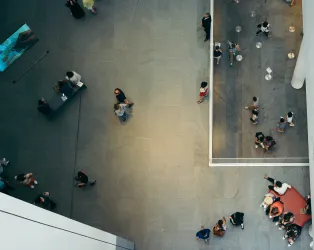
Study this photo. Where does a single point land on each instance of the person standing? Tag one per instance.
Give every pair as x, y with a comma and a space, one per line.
83, 179
255, 104
26, 179
289, 119
254, 117
90, 5
121, 98
44, 200
259, 139
237, 219
203, 234
263, 27
282, 125
76, 9
73, 77
203, 91
220, 227
206, 23
120, 111
3, 163
217, 54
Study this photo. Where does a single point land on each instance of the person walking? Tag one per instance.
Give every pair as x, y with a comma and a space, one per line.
120, 111
263, 27
277, 186
203, 91
237, 219
83, 179
254, 117
282, 125
76, 9
259, 139
206, 23
26, 179
44, 200
203, 234
220, 227
90, 5
255, 104
73, 77
289, 119
217, 54
121, 98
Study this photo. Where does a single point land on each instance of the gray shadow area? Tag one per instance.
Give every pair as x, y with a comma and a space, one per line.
234, 87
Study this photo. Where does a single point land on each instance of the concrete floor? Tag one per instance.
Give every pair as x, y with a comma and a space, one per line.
154, 185
233, 133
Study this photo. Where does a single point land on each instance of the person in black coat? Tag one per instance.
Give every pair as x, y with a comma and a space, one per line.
237, 219
206, 23
76, 10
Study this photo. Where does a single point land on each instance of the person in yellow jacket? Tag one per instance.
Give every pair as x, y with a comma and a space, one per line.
89, 4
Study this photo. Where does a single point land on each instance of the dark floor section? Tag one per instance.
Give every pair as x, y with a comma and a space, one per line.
234, 87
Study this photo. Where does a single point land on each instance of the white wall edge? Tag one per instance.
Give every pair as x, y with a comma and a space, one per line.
259, 164
211, 83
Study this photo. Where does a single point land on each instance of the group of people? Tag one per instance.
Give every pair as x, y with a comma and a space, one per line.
28, 180
236, 219
274, 208
76, 9
260, 140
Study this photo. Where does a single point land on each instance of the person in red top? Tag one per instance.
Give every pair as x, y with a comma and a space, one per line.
203, 91
275, 210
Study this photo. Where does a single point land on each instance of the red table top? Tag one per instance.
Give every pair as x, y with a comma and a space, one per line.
293, 202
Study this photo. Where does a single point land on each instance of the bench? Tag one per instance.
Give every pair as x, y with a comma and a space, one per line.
63, 96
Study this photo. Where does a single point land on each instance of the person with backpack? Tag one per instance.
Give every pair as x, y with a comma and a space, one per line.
220, 227
83, 179
26, 179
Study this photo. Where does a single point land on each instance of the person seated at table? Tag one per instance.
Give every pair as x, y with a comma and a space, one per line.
73, 77
259, 139
43, 106
269, 199
269, 142
308, 207
203, 234
293, 231
275, 210
286, 219
220, 227
277, 186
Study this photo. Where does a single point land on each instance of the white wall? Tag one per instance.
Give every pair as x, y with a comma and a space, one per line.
23, 224
308, 22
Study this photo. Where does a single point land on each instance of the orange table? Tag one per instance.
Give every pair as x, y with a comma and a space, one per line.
293, 202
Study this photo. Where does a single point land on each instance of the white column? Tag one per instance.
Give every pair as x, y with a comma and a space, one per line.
299, 73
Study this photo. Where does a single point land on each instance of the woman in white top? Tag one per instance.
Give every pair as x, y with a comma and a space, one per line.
73, 77
289, 118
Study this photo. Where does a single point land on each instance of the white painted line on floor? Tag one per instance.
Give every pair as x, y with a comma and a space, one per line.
259, 164
211, 80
